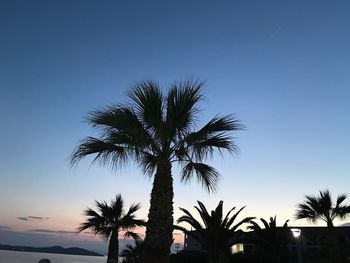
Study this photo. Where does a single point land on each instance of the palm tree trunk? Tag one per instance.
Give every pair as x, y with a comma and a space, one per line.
113, 248
160, 217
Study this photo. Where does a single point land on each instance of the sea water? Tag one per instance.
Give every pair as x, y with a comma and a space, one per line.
33, 257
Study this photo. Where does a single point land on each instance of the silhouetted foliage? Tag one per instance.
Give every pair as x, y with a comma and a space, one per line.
155, 130
271, 241
109, 220
323, 208
132, 253
217, 231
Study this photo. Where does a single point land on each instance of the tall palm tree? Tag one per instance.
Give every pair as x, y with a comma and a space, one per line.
155, 130
109, 220
323, 208
271, 240
216, 233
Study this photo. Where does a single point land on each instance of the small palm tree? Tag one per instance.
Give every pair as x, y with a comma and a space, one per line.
132, 253
216, 233
271, 240
323, 208
109, 220
156, 130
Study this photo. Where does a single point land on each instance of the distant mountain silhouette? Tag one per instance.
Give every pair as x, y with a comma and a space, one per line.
345, 224
54, 250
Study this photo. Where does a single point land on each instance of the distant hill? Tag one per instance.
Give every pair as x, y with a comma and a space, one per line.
54, 250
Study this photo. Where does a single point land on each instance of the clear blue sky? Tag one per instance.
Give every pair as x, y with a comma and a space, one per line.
281, 66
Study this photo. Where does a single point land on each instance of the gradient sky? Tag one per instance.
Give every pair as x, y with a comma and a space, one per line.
283, 67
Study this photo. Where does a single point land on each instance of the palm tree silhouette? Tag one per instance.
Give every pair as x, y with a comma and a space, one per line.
132, 253
216, 233
271, 240
323, 208
109, 220
155, 130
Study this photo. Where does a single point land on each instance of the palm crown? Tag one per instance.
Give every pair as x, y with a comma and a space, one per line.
110, 218
270, 239
153, 127
323, 208
270, 234
217, 231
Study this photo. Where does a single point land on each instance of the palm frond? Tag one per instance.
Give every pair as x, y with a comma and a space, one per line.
181, 228
123, 120
304, 211
148, 163
133, 208
205, 174
147, 99
340, 199
343, 212
182, 106
233, 218
105, 152
116, 208
213, 136
285, 225
227, 217
124, 137
84, 226
243, 221
203, 212
96, 222
188, 218
130, 222
89, 212
268, 225
325, 201
217, 214
131, 234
